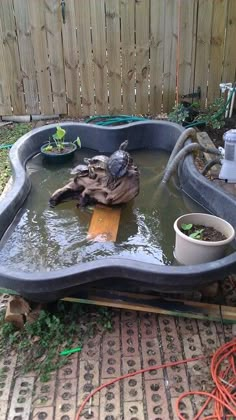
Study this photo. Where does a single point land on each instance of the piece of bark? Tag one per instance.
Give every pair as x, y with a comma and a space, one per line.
96, 190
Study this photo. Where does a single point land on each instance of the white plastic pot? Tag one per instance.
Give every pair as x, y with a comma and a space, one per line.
189, 251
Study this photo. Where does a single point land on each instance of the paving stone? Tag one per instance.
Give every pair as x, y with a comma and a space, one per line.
115, 331
177, 380
169, 335
111, 357
133, 410
148, 325
132, 385
46, 413
157, 405
66, 399
228, 334
91, 348
69, 371
187, 327
3, 410
21, 399
129, 333
192, 346
44, 393
7, 367
198, 402
110, 402
209, 337
88, 380
185, 409
91, 413
151, 357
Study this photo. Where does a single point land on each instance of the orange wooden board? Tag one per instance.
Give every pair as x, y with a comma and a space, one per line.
104, 224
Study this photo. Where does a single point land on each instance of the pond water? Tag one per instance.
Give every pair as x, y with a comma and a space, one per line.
43, 238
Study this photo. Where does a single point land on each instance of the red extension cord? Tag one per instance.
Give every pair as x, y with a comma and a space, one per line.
223, 371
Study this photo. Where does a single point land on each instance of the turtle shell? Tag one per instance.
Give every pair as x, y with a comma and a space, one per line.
118, 163
80, 170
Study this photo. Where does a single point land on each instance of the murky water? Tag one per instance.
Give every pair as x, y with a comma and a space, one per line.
42, 238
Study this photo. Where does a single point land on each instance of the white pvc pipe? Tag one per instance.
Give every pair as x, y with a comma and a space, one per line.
227, 107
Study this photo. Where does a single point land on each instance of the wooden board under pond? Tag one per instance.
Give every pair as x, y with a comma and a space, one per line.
104, 224
156, 304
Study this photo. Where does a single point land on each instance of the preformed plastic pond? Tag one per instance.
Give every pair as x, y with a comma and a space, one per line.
44, 252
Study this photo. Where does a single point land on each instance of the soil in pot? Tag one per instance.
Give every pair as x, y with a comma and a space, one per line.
56, 151
203, 233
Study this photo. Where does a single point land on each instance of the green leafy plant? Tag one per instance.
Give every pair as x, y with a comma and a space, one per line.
62, 326
197, 234
212, 117
188, 227
185, 226
59, 141
178, 114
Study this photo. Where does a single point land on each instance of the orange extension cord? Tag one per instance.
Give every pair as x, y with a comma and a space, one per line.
223, 371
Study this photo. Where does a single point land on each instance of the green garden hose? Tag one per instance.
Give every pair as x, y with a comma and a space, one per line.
6, 146
105, 120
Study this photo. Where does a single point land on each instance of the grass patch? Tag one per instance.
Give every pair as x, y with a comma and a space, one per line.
64, 326
8, 135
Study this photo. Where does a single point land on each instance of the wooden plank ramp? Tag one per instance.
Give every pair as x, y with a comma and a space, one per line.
104, 224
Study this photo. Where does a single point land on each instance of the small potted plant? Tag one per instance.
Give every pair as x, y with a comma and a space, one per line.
57, 149
201, 238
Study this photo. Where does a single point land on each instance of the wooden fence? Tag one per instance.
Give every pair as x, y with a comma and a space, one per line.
112, 56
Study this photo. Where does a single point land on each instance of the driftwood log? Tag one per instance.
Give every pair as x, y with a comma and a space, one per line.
92, 190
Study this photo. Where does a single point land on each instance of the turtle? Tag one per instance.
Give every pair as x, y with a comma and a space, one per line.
118, 163
97, 162
82, 170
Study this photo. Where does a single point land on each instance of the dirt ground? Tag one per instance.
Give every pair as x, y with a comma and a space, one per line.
216, 135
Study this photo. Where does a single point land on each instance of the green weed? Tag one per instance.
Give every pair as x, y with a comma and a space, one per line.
8, 135
65, 326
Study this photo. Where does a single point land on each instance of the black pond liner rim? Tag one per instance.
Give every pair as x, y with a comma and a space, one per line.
47, 286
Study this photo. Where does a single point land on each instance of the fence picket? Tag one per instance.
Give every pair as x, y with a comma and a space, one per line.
203, 47
23, 27
39, 40
82, 11
113, 55
53, 20
216, 49
229, 67
5, 104
156, 54
128, 55
169, 78
187, 46
9, 43
142, 55
99, 54
71, 60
